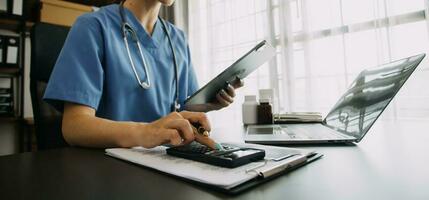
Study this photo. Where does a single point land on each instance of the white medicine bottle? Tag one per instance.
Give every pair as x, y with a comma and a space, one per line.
249, 110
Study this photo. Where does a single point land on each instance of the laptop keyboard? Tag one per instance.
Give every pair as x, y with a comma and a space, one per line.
310, 131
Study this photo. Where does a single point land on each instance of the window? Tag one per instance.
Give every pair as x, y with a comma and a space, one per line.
321, 46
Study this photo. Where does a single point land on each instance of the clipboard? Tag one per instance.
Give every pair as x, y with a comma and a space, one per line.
260, 180
236, 180
253, 182
241, 68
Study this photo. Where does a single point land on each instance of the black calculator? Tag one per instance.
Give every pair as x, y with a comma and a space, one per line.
230, 157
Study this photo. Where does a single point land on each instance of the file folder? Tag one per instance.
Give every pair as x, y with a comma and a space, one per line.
6, 110
3, 6
5, 100
12, 51
17, 7
5, 91
2, 50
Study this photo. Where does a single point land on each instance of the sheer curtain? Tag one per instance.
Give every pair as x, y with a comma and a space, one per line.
321, 46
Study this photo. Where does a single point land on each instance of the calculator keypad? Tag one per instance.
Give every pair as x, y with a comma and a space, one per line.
198, 148
231, 156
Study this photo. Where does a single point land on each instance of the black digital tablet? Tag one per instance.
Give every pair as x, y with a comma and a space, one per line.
241, 68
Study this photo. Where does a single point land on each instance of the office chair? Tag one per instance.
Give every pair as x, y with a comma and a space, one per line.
47, 41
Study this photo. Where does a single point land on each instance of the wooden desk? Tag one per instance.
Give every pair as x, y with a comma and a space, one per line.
390, 163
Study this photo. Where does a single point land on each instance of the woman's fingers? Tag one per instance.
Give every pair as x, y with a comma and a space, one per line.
223, 102
206, 141
179, 134
197, 117
237, 83
226, 97
178, 129
230, 90
183, 127
171, 136
174, 115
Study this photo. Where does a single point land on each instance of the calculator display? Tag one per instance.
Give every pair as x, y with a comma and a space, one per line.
240, 153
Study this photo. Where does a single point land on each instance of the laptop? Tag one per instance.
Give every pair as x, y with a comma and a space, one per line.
352, 116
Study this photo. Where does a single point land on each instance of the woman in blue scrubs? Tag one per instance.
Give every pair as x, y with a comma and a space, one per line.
95, 85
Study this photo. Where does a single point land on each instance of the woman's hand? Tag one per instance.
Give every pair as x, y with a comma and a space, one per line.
224, 98
81, 127
174, 129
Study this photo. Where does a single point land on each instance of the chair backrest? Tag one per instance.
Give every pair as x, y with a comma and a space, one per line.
47, 41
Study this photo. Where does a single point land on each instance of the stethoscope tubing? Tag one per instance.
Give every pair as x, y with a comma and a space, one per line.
126, 27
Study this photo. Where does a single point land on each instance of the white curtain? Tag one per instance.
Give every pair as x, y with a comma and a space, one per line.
321, 46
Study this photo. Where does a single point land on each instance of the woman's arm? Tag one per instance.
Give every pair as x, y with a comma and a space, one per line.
81, 127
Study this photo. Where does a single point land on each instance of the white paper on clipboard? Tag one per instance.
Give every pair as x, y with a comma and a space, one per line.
277, 159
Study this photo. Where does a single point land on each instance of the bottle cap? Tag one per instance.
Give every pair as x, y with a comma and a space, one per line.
251, 98
264, 100
266, 94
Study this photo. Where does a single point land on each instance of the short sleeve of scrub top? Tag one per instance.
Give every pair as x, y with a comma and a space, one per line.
93, 69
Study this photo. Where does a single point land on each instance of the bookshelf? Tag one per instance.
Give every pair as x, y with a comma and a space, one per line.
17, 25
20, 26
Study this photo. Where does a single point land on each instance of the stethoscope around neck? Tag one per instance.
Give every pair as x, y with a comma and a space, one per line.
127, 29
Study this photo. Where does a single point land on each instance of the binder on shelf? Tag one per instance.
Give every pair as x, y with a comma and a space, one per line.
5, 91
17, 7
5, 100
12, 7
3, 6
2, 50
6, 110
12, 51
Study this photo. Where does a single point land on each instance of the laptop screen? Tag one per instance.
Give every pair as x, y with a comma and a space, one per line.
369, 95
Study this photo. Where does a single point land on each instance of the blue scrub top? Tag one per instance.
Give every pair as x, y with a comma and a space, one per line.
93, 69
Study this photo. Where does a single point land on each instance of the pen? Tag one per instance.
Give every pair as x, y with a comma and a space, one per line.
202, 136
200, 130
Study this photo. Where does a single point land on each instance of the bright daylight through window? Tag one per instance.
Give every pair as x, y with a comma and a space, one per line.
321, 46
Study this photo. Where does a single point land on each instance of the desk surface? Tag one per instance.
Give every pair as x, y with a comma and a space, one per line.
390, 163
